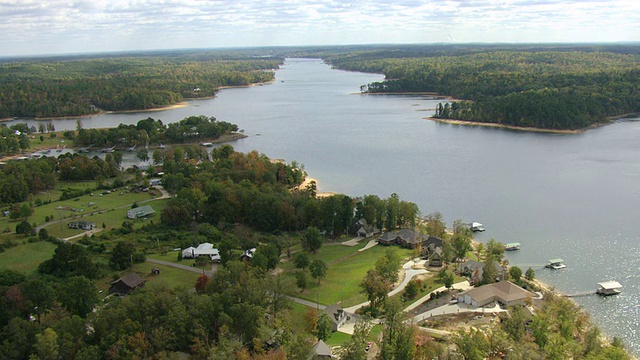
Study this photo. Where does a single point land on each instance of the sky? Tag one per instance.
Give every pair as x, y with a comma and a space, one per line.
39, 27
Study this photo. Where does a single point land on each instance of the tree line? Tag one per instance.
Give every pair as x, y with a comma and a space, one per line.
70, 87
545, 88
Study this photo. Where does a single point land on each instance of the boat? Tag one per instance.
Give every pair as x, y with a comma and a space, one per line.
556, 264
512, 246
476, 226
607, 288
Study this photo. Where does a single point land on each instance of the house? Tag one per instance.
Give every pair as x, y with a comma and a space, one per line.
321, 351
82, 225
364, 229
337, 315
431, 244
204, 249
126, 284
436, 257
408, 238
504, 292
140, 212
474, 269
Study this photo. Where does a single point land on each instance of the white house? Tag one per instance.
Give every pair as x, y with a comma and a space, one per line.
204, 249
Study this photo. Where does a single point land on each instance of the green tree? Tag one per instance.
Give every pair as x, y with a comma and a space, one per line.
515, 273
39, 294
46, 346
78, 295
398, 337
143, 155
24, 228
122, 256
490, 271
302, 260
412, 289
530, 274
388, 266
312, 239
324, 327
318, 269
375, 287
354, 349
513, 324
302, 279
446, 278
473, 345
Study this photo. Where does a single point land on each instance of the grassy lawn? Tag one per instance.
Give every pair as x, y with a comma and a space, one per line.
172, 257
338, 339
112, 218
25, 258
345, 273
174, 278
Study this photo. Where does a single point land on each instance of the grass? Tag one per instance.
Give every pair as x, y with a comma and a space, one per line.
342, 283
112, 218
25, 258
172, 257
174, 278
338, 339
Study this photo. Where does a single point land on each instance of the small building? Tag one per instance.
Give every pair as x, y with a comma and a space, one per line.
321, 351
337, 315
141, 212
476, 226
126, 284
81, 225
504, 292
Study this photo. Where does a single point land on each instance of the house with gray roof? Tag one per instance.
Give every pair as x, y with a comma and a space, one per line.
408, 238
321, 351
504, 292
337, 315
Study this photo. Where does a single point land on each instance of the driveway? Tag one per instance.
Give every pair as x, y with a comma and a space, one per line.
214, 267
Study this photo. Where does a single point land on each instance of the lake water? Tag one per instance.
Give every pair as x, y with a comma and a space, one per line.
576, 196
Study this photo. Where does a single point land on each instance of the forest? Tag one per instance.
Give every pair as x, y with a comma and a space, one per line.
69, 87
552, 88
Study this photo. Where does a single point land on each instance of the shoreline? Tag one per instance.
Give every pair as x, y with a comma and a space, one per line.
517, 128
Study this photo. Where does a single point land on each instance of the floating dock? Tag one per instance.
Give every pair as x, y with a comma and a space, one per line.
607, 288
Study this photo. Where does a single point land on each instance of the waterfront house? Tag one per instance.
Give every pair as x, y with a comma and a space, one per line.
436, 257
504, 292
364, 229
474, 269
408, 238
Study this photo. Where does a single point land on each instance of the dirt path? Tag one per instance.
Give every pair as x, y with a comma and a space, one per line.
214, 267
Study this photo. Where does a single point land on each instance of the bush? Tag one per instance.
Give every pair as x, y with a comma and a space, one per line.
24, 228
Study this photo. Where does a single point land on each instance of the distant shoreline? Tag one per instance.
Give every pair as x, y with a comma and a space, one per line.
513, 127
181, 104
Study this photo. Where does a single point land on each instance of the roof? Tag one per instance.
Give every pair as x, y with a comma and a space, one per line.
132, 280
334, 311
609, 285
475, 224
81, 222
505, 291
407, 235
555, 261
322, 349
512, 244
143, 210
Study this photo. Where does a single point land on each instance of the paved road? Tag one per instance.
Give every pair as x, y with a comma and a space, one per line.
463, 285
214, 267
369, 245
307, 303
352, 242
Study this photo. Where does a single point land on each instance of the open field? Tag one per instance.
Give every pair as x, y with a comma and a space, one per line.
25, 258
172, 257
174, 278
347, 268
110, 217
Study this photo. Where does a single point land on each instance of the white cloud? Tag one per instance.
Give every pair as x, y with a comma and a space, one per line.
63, 26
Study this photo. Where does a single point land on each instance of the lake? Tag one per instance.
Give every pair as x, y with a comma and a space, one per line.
570, 196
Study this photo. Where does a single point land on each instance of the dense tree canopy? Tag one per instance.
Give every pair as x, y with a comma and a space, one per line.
555, 88
84, 86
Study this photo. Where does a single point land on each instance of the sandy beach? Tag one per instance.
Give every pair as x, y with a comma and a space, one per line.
511, 127
308, 181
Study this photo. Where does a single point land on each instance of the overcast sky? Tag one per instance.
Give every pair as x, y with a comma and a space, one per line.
79, 26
